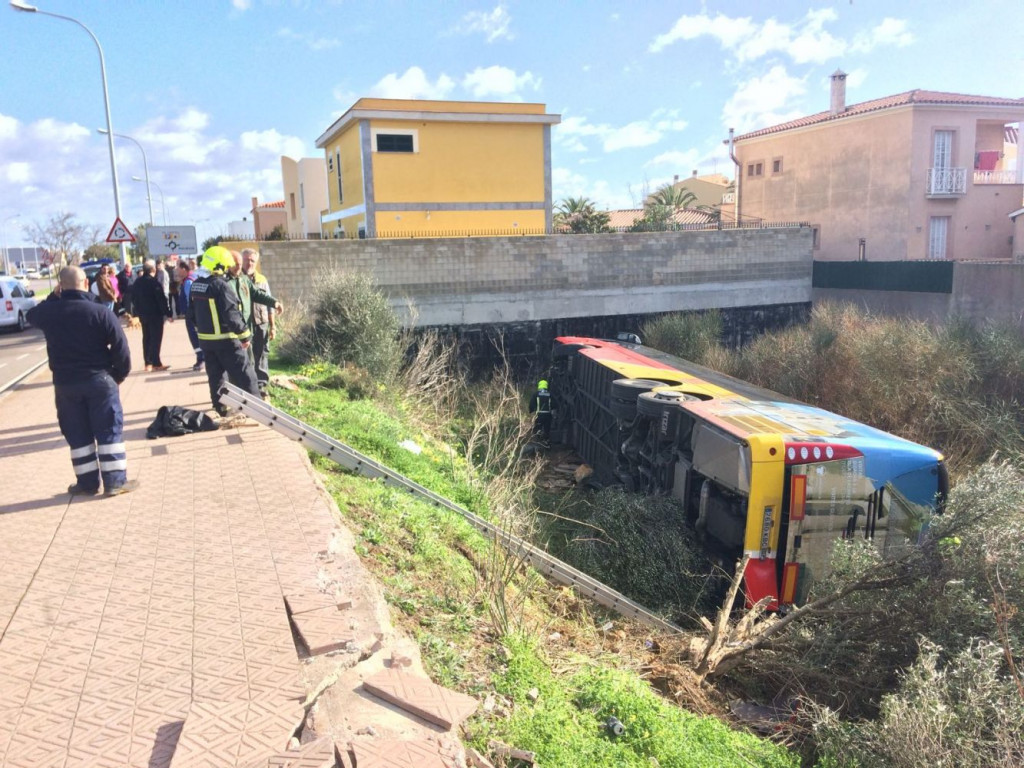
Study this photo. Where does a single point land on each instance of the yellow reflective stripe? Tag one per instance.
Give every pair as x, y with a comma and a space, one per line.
215, 318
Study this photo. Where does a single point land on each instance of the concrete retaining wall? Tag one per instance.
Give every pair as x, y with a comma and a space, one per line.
499, 280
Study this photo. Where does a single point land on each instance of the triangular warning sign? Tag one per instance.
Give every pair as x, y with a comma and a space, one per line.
119, 233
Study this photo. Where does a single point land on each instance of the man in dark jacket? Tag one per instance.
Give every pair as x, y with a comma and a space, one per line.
125, 283
89, 357
151, 307
223, 334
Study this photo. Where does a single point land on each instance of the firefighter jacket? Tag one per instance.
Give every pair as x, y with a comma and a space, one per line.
83, 337
213, 309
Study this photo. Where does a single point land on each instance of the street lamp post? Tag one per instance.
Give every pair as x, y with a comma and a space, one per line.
145, 166
20, 5
163, 207
7, 255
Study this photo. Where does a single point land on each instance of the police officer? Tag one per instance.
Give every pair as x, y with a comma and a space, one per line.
541, 405
223, 334
89, 357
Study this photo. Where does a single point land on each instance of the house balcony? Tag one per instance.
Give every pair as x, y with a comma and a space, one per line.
996, 177
946, 182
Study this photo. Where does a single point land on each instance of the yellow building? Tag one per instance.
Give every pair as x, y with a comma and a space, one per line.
413, 168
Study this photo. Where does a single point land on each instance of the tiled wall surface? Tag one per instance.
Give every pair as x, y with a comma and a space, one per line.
509, 279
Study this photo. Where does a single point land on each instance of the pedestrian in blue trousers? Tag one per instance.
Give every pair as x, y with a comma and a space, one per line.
89, 357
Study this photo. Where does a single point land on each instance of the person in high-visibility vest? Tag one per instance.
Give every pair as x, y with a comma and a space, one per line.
540, 404
223, 333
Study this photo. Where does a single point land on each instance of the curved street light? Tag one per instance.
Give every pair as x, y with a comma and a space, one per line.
20, 5
145, 166
162, 206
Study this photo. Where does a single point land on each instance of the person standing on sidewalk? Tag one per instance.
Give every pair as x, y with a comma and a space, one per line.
185, 279
261, 321
223, 333
152, 309
89, 357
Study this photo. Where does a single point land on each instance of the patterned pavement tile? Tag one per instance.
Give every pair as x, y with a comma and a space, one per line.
420, 696
315, 754
398, 754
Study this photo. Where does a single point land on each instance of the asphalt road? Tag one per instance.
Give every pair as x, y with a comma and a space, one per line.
19, 354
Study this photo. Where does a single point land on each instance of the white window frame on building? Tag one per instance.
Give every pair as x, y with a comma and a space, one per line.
938, 237
414, 133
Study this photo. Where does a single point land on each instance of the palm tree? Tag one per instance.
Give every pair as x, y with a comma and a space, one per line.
579, 215
672, 197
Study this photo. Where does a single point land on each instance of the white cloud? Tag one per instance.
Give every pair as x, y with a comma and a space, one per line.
49, 166
412, 84
494, 25
675, 158
804, 41
763, 101
639, 133
889, 32
499, 82
312, 42
241, 5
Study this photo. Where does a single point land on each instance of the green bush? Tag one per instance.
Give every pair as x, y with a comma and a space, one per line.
641, 546
964, 712
691, 335
348, 320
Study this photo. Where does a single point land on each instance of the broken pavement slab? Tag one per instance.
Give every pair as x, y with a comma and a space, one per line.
316, 754
421, 697
399, 754
304, 602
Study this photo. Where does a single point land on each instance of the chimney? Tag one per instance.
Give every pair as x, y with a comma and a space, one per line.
695, 173
675, 179
838, 101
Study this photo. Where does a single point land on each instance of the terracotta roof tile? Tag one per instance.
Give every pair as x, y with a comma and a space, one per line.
625, 218
887, 102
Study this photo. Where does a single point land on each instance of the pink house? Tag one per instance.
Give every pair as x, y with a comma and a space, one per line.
918, 175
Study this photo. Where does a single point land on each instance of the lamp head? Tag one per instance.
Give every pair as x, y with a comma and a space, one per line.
136, 178
102, 130
19, 5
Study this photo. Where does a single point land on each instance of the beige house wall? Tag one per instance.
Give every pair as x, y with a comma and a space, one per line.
866, 177
305, 195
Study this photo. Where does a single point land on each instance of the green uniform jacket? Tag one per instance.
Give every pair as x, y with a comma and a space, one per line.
247, 294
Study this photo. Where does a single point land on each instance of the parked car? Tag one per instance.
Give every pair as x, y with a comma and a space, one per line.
15, 302
33, 274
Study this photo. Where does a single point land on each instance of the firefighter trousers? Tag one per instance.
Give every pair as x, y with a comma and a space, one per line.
227, 361
90, 418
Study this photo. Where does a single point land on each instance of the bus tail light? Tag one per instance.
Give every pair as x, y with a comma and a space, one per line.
790, 577
797, 497
807, 452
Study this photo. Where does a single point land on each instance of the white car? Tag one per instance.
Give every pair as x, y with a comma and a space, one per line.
15, 302
33, 274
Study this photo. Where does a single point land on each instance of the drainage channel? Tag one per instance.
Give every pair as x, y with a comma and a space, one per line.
349, 458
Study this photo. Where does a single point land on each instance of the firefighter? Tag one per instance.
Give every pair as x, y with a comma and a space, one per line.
223, 334
89, 357
540, 404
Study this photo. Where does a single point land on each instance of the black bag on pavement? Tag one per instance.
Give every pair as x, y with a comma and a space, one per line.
173, 420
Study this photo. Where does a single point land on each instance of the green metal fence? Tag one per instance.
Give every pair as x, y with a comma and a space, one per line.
914, 276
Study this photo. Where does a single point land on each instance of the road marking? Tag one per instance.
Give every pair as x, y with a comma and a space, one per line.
21, 357
40, 348
3, 365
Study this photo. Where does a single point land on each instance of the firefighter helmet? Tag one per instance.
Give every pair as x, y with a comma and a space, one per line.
542, 384
217, 257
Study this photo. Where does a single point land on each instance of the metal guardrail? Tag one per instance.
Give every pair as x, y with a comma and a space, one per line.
315, 440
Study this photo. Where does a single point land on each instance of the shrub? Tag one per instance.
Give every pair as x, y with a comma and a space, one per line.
691, 335
639, 545
354, 380
347, 320
963, 713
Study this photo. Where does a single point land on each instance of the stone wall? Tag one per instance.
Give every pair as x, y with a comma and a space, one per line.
499, 280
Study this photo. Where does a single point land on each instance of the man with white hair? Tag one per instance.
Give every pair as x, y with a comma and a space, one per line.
88, 354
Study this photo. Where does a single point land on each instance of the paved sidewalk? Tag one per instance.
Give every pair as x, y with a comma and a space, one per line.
149, 629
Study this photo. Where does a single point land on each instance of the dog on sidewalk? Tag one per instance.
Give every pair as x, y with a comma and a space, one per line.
133, 322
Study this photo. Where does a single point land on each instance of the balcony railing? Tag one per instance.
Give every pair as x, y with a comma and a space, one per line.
996, 177
947, 181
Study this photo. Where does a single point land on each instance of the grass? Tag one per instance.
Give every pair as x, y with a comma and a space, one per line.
435, 570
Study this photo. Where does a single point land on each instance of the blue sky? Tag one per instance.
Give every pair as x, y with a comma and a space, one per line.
217, 90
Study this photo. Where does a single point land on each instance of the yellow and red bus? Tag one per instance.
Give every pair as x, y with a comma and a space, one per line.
757, 473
